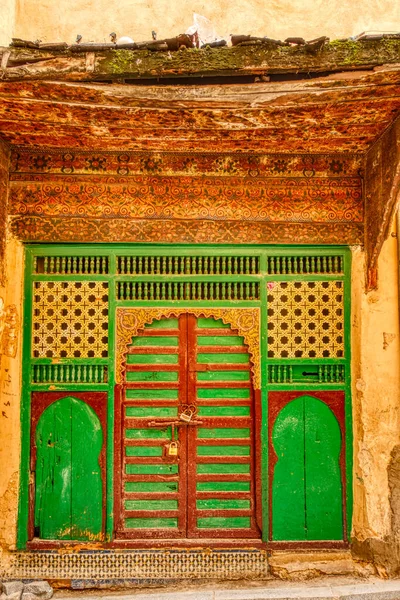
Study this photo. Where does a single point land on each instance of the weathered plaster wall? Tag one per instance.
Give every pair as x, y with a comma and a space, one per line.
7, 20
376, 393
10, 363
63, 20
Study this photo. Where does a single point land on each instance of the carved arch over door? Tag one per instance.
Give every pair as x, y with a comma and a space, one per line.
129, 321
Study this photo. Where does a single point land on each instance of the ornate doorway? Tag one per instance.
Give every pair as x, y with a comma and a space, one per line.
185, 432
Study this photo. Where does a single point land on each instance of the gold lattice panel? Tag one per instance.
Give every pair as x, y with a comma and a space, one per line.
305, 319
70, 319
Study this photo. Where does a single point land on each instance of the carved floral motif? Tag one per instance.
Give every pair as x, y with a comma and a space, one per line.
246, 321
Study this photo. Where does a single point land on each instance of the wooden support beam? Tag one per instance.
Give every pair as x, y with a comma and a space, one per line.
254, 59
382, 195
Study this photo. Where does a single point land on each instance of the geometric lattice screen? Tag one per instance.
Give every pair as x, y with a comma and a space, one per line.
70, 319
305, 319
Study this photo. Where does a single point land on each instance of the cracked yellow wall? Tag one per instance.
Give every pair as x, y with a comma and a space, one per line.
63, 20
10, 373
376, 391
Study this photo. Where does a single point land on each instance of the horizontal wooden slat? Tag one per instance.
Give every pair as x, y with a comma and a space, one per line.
151, 385
221, 350
149, 514
152, 350
223, 384
153, 495
222, 442
152, 367
223, 459
223, 495
223, 477
201, 368
160, 331
224, 513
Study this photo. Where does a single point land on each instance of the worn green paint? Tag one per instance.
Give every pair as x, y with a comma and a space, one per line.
151, 504
223, 468
223, 522
223, 486
222, 393
153, 523
148, 469
306, 491
224, 376
222, 504
68, 481
151, 486
151, 411
223, 450
224, 411
232, 432
151, 376
152, 359
262, 252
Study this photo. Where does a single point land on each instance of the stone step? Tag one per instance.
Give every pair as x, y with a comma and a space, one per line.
371, 589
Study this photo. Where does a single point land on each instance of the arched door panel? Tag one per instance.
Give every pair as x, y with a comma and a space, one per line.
68, 491
306, 487
207, 488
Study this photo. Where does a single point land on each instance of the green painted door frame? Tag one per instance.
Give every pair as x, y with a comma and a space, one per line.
199, 276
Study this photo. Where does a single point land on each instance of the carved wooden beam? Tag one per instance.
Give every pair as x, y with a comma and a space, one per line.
382, 193
254, 59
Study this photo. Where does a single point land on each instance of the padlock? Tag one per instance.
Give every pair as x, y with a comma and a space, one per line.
186, 416
172, 449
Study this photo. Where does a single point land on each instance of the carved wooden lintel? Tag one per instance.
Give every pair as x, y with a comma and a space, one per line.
246, 321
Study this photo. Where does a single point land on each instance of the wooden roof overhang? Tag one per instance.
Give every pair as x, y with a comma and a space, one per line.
313, 160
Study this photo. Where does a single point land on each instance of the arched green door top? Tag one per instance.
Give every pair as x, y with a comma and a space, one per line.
307, 488
68, 497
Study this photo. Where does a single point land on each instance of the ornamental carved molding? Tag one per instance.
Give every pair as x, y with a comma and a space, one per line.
83, 230
246, 321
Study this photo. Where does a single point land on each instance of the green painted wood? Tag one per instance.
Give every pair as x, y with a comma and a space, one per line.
151, 411
324, 518
153, 433
224, 411
152, 394
223, 450
222, 468
155, 341
166, 469
223, 486
205, 393
288, 493
219, 340
68, 499
218, 504
143, 451
111, 251
306, 492
151, 376
151, 486
151, 504
218, 357
224, 376
224, 522
153, 523
229, 432
152, 359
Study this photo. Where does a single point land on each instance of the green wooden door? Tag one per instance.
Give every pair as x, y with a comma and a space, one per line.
307, 489
68, 498
207, 489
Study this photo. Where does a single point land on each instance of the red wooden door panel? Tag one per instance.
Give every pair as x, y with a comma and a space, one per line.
207, 489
